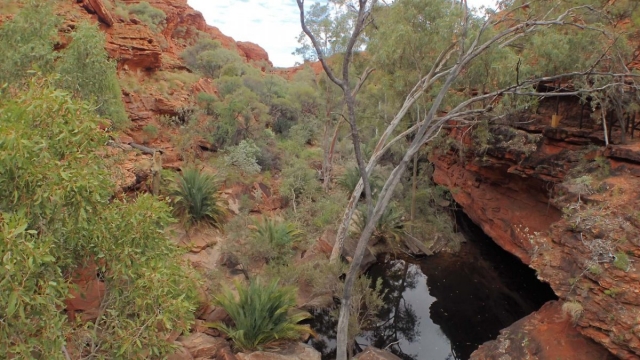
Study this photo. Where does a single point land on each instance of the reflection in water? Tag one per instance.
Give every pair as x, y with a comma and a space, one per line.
444, 306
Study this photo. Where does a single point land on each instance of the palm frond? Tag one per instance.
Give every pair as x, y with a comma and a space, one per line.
262, 315
389, 227
278, 237
195, 198
349, 180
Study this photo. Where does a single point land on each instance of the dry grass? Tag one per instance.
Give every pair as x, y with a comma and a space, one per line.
573, 309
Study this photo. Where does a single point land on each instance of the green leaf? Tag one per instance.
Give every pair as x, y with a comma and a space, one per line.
12, 303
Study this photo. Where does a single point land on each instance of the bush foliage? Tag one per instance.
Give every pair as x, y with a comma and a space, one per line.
153, 17
27, 42
58, 214
276, 239
244, 156
86, 70
83, 68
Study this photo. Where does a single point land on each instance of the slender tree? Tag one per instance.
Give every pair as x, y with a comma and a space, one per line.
470, 42
363, 18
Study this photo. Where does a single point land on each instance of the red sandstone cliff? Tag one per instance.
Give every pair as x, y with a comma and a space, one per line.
155, 82
134, 45
515, 191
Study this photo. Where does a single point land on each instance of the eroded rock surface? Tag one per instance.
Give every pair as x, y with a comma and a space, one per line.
545, 334
292, 352
515, 190
371, 353
201, 345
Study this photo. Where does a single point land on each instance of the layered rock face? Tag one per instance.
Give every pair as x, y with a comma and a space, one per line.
580, 235
133, 45
546, 334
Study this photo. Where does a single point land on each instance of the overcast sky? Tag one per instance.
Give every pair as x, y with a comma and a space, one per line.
272, 24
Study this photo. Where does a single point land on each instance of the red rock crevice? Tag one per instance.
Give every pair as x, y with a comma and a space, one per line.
515, 191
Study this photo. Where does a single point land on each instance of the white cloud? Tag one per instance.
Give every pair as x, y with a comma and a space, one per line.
272, 24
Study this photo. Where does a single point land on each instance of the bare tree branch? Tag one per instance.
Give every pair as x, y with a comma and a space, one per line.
316, 46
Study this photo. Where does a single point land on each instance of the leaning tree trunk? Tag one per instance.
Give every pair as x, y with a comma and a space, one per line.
424, 132
418, 90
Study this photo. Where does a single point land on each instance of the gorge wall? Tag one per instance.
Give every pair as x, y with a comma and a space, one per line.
515, 188
518, 188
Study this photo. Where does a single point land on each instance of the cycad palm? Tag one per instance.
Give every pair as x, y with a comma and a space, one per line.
196, 200
349, 180
278, 237
261, 315
389, 227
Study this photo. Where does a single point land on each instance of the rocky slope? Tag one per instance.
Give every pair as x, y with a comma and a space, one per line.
154, 79
156, 83
514, 189
517, 190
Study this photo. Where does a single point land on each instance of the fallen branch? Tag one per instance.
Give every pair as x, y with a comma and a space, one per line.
145, 149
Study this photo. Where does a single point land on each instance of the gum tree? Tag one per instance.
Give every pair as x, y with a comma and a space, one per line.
498, 39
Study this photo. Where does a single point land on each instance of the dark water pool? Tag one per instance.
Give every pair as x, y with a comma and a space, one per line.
444, 306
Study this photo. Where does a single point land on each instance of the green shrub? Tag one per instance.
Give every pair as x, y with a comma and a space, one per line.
306, 98
573, 309
27, 42
328, 210
59, 215
228, 85
262, 315
238, 116
120, 10
621, 261
319, 275
86, 70
207, 57
305, 131
284, 115
595, 269
30, 285
169, 121
349, 180
612, 292
150, 132
366, 302
233, 69
244, 156
206, 102
190, 54
195, 199
275, 240
268, 158
299, 181
153, 17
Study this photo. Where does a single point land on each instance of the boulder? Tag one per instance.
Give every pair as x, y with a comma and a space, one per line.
296, 351
180, 354
371, 353
104, 15
349, 249
253, 52
134, 46
545, 334
202, 345
213, 314
86, 294
226, 354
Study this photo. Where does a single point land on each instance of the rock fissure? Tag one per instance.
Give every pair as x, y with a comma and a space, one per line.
527, 204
